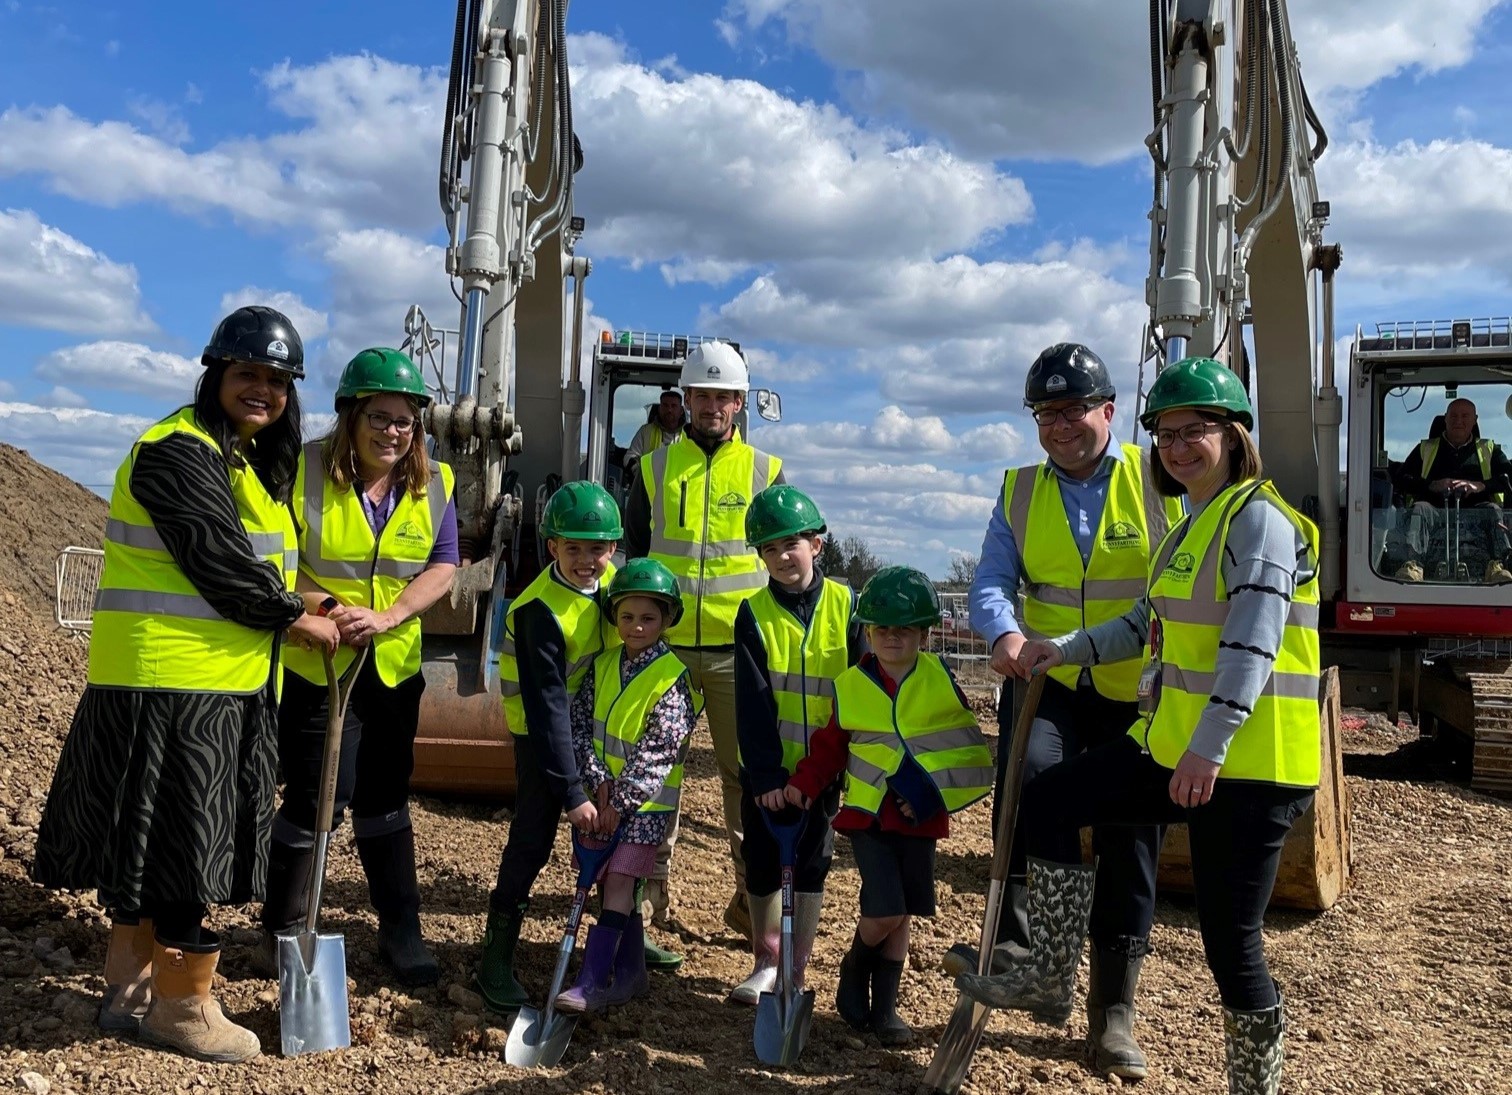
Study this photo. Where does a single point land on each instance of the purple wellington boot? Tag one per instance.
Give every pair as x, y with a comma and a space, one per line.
630, 977
591, 991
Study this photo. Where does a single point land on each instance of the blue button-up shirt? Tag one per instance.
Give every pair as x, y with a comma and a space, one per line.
994, 591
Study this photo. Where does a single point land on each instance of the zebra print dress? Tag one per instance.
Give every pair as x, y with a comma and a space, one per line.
167, 797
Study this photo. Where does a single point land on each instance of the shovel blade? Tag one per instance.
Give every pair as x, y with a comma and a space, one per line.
539, 1039
312, 994
782, 1026
952, 1058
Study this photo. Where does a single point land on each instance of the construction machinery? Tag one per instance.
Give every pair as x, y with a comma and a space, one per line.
512, 368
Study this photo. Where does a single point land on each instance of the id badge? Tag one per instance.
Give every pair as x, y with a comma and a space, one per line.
1148, 690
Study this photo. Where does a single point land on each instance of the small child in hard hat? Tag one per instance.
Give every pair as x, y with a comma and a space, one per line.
552, 631
631, 721
912, 755
792, 639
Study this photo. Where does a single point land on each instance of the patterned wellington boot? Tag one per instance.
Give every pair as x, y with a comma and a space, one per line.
1060, 904
591, 991
1254, 1042
766, 932
128, 976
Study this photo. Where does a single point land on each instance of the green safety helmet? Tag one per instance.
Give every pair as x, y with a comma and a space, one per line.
1198, 382
381, 369
647, 578
782, 510
581, 511
898, 597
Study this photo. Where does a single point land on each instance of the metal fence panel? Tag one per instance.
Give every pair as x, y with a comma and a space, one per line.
963, 650
78, 580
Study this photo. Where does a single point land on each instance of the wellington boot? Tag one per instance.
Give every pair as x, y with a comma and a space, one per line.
590, 993
1110, 1010
403, 950
290, 871
806, 910
495, 976
1254, 1042
630, 977
128, 976
652, 899
853, 993
766, 932
1060, 903
1012, 947
184, 1016
886, 1024
388, 860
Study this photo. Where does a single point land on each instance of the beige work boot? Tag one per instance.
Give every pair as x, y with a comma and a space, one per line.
1410, 571
128, 976
1497, 573
737, 914
656, 902
184, 1016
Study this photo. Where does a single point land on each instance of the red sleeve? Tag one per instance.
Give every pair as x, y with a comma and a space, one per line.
829, 750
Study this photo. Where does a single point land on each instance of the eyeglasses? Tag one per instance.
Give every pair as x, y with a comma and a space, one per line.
1191, 434
381, 422
1074, 413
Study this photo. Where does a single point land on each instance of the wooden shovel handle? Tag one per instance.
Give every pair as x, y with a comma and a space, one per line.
1007, 807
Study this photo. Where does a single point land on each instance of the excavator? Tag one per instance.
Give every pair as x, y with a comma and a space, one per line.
505, 185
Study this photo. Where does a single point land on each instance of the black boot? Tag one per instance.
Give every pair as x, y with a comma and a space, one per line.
890, 1030
853, 994
289, 873
1110, 1009
1012, 947
389, 862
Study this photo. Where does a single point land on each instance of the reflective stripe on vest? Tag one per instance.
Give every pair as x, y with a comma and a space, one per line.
698, 506
586, 633
926, 720
1280, 741
1062, 596
152, 628
1428, 450
620, 711
338, 550
803, 661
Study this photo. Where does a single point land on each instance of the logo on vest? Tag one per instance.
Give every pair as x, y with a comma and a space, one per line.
277, 349
1056, 383
1179, 569
1121, 534
731, 500
410, 532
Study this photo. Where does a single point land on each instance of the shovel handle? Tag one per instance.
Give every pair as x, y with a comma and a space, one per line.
338, 694
1007, 817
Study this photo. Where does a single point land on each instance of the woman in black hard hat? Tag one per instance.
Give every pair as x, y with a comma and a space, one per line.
164, 791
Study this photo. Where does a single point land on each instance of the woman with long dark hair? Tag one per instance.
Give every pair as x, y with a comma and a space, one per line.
163, 795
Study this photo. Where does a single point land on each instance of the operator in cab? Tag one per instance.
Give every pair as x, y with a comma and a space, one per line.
1227, 739
1461, 469
688, 512
1074, 532
665, 425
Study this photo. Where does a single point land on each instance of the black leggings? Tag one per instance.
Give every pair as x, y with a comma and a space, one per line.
1236, 844
172, 922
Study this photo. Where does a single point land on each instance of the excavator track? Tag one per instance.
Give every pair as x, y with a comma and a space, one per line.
1491, 763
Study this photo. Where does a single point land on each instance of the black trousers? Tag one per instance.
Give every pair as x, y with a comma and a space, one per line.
532, 831
816, 847
377, 754
1069, 722
1236, 847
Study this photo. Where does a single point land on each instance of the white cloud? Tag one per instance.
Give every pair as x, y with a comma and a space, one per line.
85, 445
122, 366
59, 396
50, 279
311, 323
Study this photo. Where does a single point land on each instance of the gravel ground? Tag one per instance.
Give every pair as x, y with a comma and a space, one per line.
1402, 987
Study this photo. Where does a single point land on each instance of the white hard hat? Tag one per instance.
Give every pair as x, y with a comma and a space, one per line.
715, 365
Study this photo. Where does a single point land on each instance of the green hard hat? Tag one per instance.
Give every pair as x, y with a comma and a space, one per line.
647, 578
381, 369
899, 597
581, 511
779, 511
1197, 382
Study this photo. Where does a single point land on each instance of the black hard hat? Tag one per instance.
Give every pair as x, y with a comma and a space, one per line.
260, 335
1067, 370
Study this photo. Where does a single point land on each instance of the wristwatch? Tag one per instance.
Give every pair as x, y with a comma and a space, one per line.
326, 606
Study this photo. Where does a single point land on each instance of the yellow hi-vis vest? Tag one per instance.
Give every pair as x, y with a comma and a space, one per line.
338, 550
1427, 450
152, 629
586, 633
926, 720
619, 716
1060, 596
803, 661
1280, 741
698, 507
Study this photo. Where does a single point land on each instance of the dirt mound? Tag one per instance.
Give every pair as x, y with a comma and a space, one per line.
47, 512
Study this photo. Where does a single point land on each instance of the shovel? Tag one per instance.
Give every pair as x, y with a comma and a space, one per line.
312, 987
783, 1017
538, 1039
952, 1059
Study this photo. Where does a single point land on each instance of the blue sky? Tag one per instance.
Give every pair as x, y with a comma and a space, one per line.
894, 216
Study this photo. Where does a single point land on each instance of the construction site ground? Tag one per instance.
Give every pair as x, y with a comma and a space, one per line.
1404, 986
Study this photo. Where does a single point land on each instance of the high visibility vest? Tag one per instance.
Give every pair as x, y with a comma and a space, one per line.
659, 437
925, 720
586, 633
338, 550
1280, 742
698, 506
1060, 594
152, 629
1427, 450
803, 660
619, 716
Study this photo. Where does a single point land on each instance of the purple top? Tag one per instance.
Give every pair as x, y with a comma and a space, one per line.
378, 514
